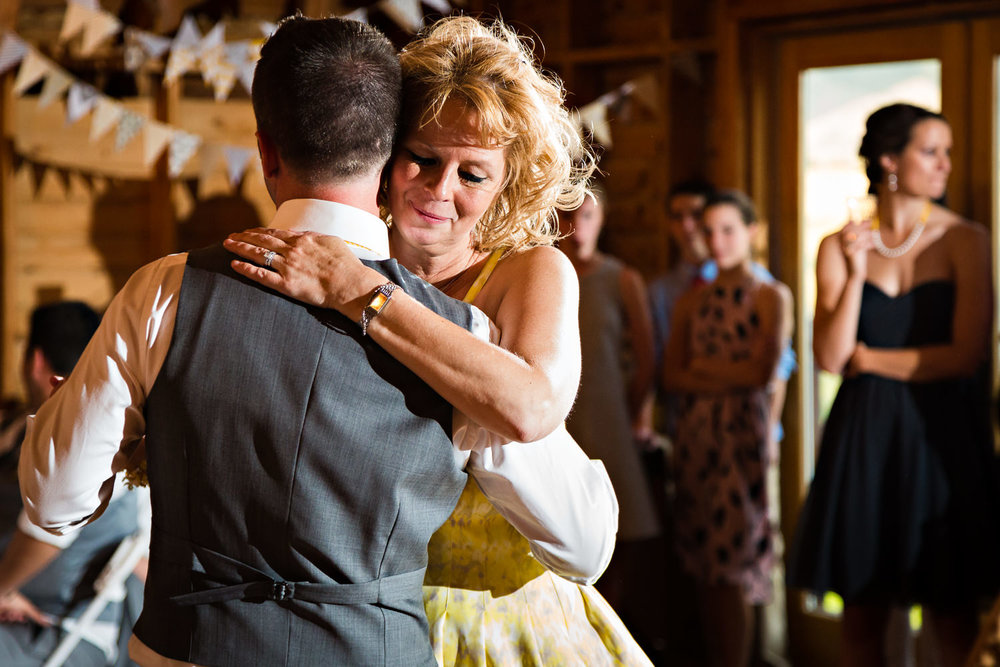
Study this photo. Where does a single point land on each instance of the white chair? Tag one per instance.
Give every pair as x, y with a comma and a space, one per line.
109, 587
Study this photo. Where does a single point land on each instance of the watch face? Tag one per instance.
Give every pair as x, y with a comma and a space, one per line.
378, 300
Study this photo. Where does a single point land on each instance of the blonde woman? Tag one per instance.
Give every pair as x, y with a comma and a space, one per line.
487, 155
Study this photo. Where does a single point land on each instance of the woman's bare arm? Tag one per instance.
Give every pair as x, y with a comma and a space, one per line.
522, 389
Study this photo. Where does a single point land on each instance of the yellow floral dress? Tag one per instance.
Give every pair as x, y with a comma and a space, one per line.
489, 602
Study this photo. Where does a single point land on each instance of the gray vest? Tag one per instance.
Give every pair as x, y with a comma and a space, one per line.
297, 472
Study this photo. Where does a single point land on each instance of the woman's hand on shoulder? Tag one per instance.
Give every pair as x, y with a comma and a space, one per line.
316, 269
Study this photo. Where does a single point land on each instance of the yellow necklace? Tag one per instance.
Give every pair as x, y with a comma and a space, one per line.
908, 242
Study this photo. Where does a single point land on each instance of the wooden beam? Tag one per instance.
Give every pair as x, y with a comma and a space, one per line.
162, 220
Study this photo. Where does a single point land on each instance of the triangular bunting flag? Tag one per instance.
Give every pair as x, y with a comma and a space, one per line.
73, 20
182, 147
267, 28
142, 46
99, 27
155, 138
33, 68
12, 51
184, 49
55, 85
406, 13
646, 91
440, 6
214, 38
208, 157
245, 75
359, 14
88, 4
37, 176
128, 126
236, 163
106, 114
594, 116
222, 82
79, 101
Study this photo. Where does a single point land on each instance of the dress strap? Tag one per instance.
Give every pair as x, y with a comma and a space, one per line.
484, 274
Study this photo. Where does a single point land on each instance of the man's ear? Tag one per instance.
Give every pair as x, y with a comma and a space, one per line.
269, 161
39, 369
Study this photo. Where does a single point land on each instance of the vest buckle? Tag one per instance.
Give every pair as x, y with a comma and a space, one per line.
281, 590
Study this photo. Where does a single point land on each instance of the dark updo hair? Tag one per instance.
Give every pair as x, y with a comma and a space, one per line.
887, 131
743, 204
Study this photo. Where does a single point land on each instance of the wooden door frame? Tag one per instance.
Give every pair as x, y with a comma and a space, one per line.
771, 76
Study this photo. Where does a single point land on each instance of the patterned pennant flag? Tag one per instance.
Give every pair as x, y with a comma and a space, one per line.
106, 113
215, 38
55, 85
99, 27
128, 126
73, 20
406, 13
182, 148
79, 101
222, 82
155, 138
183, 50
236, 163
33, 68
12, 51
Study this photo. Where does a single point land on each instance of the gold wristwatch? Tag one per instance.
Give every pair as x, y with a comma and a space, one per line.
377, 303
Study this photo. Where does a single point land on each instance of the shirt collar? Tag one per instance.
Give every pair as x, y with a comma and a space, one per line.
365, 233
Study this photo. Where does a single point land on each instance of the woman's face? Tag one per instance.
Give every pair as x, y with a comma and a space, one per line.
583, 225
924, 165
442, 181
727, 236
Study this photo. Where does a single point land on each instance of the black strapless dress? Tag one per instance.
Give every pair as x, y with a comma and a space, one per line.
903, 505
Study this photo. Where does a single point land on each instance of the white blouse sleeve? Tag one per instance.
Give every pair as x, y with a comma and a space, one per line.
551, 492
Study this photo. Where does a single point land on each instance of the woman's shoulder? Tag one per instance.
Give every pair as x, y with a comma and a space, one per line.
543, 259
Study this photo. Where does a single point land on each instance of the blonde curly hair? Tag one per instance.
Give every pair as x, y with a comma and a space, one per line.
520, 108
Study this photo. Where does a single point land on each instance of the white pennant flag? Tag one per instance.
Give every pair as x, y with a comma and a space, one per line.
595, 117
237, 160
406, 13
182, 148
33, 68
154, 139
440, 6
359, 14
80, 100
89, 4
210, 53
74, 19
142, 46
267, 28
646, 91
106, 113
245, 75
188, 34
99, 27
128, 126
12, 51
55, 85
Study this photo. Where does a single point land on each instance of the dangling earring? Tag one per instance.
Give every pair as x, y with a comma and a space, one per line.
893, 183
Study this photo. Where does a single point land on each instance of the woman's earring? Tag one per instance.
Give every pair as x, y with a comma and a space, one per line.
893, 183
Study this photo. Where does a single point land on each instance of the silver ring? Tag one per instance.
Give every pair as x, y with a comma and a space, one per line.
269, 257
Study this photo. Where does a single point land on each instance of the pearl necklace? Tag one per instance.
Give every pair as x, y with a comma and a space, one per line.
909, 242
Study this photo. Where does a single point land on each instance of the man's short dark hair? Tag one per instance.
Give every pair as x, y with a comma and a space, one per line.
61, 331
326, 93
694, 187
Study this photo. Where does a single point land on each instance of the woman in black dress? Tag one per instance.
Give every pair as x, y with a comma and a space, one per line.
901, 509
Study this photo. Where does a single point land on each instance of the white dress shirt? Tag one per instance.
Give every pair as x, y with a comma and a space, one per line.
561, 501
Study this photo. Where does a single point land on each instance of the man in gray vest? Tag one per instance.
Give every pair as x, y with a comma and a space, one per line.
297, 471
